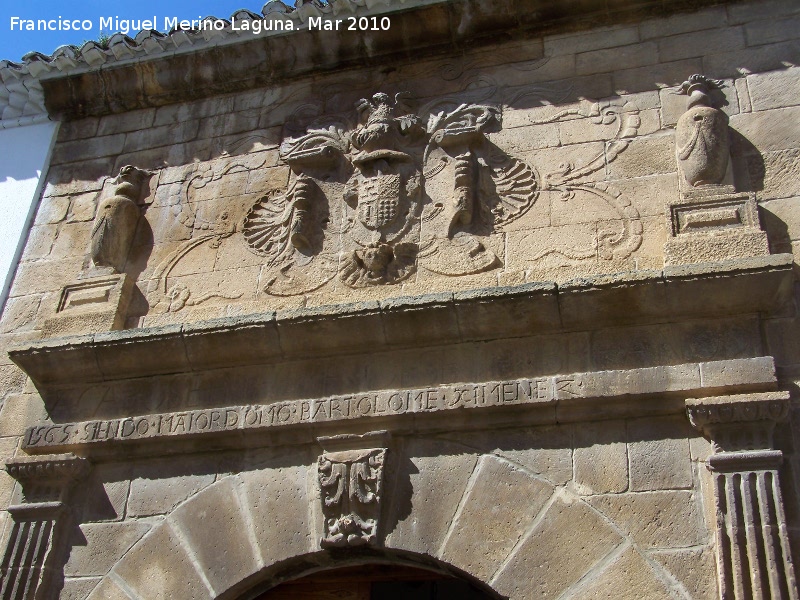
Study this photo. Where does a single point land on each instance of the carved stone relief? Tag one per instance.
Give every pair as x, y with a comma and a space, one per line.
351, 484
116, 220
99, 299
405, 189
419, 189
701, 135
710, 221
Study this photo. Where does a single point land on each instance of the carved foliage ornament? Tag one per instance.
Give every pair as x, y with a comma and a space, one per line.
351, 484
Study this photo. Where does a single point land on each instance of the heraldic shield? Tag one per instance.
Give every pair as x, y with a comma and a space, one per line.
379, 199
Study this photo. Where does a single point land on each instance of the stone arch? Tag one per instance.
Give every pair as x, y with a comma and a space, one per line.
486, 518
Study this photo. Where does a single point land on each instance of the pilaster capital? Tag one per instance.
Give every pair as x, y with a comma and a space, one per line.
741, 421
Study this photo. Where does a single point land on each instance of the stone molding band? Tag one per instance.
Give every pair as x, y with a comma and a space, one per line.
564, 396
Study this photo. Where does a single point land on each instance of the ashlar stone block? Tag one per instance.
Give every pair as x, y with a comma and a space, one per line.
566, 543
207, 522
159, 568
280, 532
659, 454
103, 545
629, 577
437, 473
490, 522
601, 457
158, 496
655, 519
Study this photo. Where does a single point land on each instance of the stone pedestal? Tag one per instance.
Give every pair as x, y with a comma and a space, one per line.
97, 303
753, 553
712, 227
35, 550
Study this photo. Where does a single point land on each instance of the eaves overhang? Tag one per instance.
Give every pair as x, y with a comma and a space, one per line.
155, 69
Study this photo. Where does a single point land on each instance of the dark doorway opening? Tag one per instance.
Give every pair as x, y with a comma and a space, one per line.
376, 582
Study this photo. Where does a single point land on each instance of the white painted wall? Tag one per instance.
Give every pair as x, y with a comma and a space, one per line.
24, 157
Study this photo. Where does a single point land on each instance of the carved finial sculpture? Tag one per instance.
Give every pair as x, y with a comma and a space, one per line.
702, 140
116, 220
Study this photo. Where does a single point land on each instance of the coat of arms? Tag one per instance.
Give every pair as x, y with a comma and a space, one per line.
374, 202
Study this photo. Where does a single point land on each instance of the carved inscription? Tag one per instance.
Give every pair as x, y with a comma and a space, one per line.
297, 412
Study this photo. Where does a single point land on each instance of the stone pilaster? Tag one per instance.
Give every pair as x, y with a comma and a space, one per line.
34, 554
753, 553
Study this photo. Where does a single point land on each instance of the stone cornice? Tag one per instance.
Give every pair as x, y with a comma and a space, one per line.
747, 286
98, 79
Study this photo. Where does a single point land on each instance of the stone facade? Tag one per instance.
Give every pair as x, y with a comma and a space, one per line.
507, 292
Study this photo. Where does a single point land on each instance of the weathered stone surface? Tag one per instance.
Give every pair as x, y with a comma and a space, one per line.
566, 543
777, 89
548, 166
655, 519
100, 545
628, 577
434, 480
694, 568
18, 409
159, 567
489, 523
278, 504
52, 209
79, 589
602, 37
716, 246
769, 130
601, 458
160, 495
108, 486
545, 451
698, 43
659, 454
108, 589
647, 156
206, 522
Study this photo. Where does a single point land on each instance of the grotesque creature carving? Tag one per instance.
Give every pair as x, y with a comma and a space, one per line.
116, 220
351, 483
702, 140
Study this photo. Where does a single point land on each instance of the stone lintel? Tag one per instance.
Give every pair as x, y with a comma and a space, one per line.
748, 286
544, 400
235, 64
